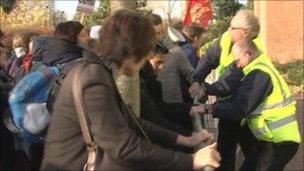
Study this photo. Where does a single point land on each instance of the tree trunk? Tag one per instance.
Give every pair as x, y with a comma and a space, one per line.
122, 4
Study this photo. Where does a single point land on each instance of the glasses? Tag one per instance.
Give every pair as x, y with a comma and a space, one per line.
237, 28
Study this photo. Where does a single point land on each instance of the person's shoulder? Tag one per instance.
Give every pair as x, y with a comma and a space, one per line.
258, 74
177, 52
186, 45
95, 70
176, 49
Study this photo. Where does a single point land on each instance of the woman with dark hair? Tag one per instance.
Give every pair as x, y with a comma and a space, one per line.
64, 47
190, 47
124, 141
68, 31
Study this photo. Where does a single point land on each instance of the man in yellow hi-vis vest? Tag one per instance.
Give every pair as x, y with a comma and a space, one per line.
264, 102
218, 57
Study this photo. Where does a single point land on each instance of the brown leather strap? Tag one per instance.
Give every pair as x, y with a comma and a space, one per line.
82, 112
141, 129
80, 107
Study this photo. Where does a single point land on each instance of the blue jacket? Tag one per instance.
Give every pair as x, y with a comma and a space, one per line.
190, 52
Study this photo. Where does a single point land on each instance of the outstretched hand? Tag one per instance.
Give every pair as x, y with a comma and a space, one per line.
201, 109
199, 137
197, 90
207, 156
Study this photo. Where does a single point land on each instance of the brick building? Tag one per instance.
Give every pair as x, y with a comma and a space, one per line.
281, 28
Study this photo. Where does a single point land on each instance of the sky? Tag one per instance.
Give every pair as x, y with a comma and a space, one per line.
69, 6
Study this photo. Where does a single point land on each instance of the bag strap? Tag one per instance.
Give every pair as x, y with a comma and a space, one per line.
138, 124
80, 107
82, 112
129, 110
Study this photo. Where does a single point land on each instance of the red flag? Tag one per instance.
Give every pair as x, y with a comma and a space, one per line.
198, 11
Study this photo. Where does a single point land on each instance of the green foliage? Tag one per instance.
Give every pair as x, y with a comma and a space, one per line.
7, 5
58, 17
141, 4
97, 17
249, 4
26, 14
293, 72
215, 30
225, 8
294, 76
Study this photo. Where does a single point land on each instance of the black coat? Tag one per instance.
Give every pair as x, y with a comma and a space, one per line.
114, 131
173, 116
61, 51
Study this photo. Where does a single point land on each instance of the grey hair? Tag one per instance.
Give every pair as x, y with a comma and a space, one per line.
250, 20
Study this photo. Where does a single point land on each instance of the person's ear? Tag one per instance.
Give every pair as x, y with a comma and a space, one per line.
246, 32
149, 57
249, 55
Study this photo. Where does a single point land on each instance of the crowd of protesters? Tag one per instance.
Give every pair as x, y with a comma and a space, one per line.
118, 93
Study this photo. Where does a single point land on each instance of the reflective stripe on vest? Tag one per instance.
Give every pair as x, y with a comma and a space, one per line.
275, 124
274, 119
282, 122
285, 102
258, 132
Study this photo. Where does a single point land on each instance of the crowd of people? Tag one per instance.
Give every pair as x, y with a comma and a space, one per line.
123, 100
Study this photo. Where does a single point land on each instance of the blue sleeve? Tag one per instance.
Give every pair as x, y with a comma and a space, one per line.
191, 54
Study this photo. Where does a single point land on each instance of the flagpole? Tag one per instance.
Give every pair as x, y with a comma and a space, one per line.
82, 17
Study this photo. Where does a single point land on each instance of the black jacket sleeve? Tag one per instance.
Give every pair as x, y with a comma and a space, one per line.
151, 113
208, 62
227, 84
177, 113
255, 87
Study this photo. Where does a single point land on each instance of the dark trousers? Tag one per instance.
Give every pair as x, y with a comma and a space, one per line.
29, 155
275, 156
230, 134
7, 157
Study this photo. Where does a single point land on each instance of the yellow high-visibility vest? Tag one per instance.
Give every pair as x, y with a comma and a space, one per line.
274, 120
226, 57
